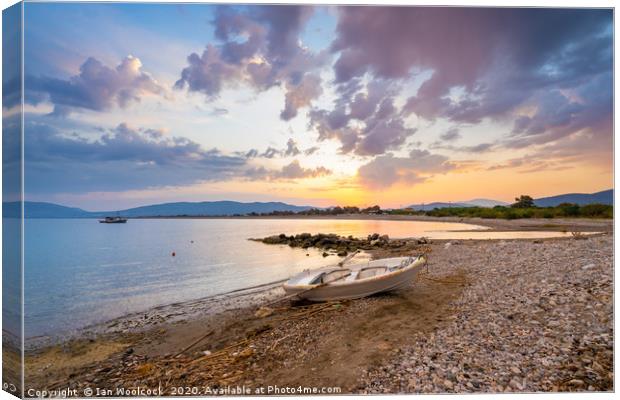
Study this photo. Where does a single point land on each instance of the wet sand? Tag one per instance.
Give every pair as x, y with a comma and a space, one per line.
407, 341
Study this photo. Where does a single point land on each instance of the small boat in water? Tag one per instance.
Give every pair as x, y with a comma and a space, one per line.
113, 220
355, 281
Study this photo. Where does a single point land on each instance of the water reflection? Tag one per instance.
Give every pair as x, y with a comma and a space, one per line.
78, 272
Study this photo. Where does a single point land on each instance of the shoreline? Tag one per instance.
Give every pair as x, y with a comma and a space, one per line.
494, 225
148, 340
147, 317
499, 225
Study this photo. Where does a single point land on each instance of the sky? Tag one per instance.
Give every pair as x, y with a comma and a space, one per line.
132, 104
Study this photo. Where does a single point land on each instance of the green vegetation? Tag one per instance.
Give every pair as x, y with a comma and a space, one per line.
523, 201
523, 207
565, 210
325, 211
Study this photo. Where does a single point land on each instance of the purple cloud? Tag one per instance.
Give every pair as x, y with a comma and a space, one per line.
300, 95
387, 170
291, 149
291, 171
123, 158
295, 171
484, 62
364, 119
97, 87
260, 47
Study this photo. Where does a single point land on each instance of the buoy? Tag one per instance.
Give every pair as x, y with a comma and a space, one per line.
174, 254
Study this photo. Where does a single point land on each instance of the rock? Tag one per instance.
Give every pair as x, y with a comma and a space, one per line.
576, 383
515, 384
448, 384
332, 241
588, 266
515, 370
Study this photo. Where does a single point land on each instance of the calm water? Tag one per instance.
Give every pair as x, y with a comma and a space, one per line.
79, 272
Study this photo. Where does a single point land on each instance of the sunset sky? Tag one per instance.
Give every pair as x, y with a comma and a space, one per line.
132, 104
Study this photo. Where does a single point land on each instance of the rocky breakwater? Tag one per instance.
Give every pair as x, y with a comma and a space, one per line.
341, 245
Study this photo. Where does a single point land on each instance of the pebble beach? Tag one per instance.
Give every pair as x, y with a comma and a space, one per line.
534, 317
485, 316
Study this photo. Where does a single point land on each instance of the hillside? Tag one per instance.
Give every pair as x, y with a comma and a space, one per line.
206, 208
604, 197
467, 203
209, 208
44, 210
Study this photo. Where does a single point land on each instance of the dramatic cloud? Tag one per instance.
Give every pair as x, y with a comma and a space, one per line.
484, 63
300, 95
257, 46
387, 170
290, 171
97, 87
526, 89
364, 119
121, 159
560, 114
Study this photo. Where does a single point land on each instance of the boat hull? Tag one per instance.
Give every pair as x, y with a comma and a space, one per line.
357, 289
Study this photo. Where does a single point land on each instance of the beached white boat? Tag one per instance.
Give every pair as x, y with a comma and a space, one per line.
355, 281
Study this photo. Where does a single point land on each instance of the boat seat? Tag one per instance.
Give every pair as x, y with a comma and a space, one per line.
369, 272
332, 276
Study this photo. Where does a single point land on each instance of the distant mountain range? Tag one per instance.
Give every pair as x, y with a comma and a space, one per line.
205, 208
604, 197
228, 208
468, 203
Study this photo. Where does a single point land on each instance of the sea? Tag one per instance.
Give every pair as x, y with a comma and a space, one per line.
78, 272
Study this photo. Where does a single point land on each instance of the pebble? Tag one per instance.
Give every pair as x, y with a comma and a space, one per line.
515, 384
539, 311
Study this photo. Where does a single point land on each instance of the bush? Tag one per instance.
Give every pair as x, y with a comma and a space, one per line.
561, 211
569, 210
510, 215
597, 211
